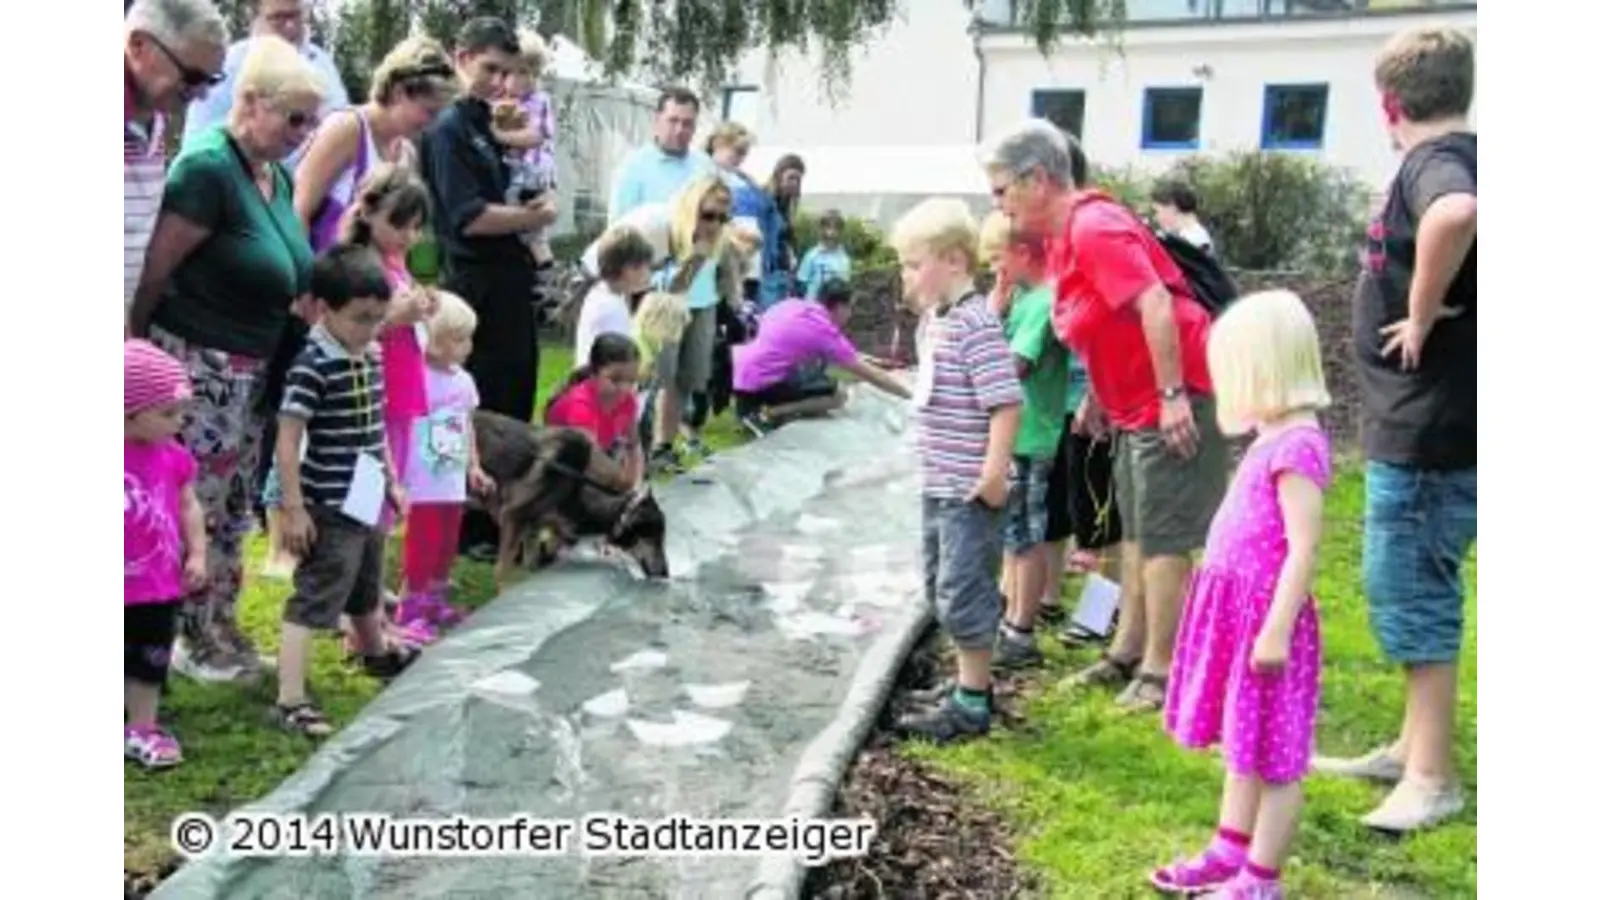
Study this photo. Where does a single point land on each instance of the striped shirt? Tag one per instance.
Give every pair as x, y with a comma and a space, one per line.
144, 176
972, 374
341, 399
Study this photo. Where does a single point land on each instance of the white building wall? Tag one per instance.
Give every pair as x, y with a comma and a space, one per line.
1233, 63
916, 83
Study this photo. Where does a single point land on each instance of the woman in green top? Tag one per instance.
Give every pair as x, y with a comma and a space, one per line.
227, 261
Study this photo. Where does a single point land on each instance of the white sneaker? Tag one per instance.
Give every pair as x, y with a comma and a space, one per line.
197, 668
1377, 765
1413, 806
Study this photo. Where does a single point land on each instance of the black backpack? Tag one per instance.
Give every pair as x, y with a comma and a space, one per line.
1209, 282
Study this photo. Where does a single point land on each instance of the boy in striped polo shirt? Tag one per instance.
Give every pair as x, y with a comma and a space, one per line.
967, 401
334, 493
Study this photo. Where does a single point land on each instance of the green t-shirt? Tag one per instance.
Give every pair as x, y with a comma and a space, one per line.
232, 293
1045, 404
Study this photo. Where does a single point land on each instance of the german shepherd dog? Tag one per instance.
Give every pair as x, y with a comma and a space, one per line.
558, 478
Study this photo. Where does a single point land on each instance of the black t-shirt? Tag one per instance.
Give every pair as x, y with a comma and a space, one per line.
1426, 418
466, 172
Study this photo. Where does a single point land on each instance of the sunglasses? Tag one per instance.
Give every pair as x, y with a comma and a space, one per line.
299, 118
191, 76
714, 217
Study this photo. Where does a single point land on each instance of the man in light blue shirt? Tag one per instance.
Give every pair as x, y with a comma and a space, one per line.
286, 19
656, 172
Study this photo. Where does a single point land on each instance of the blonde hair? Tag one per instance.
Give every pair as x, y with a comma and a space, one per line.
273, 68
686, 216
729, 134
417, 66
660, 320
1265, 360
938, 225
1429, 72
453, 318
994, 237
534, 55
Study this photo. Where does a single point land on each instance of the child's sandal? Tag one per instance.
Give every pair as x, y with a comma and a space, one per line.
304, 718
390, 664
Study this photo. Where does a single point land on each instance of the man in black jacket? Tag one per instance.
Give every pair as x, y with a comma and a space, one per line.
485, 260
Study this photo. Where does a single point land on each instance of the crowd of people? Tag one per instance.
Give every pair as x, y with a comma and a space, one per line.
296, 347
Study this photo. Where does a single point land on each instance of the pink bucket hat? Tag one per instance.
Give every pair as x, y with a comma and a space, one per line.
150, 377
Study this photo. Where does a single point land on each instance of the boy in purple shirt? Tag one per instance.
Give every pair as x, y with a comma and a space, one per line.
968, 402
783, 373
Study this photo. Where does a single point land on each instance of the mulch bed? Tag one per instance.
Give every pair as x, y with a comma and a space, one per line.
934, 839
138, 885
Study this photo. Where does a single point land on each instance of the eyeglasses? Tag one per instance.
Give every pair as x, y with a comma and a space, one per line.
192, 77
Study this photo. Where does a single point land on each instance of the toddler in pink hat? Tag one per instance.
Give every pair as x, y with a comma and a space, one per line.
163, 541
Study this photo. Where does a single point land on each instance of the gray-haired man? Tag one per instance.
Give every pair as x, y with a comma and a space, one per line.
1120, 297
171, 54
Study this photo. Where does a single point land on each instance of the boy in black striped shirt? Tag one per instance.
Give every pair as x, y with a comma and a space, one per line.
332, 496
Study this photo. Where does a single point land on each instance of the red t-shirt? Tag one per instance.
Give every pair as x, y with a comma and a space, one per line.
1106, 262
611, 427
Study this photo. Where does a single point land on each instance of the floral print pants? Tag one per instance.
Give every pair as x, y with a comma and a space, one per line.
223, 431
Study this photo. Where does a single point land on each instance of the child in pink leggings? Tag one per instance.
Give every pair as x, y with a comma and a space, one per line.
441, 468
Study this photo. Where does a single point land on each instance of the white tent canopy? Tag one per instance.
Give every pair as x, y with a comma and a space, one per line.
880, 183
598, 123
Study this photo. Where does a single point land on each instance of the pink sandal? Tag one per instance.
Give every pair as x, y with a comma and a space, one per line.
1191, 877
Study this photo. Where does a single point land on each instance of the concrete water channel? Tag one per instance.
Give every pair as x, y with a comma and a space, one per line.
726, 693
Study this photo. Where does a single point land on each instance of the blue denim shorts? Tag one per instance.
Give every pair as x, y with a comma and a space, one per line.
1027, 503
1419, 527
960, 567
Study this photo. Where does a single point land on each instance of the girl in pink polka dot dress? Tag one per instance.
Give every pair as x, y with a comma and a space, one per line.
1247, 663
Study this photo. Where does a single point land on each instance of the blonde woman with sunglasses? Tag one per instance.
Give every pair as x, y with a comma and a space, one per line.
696, 258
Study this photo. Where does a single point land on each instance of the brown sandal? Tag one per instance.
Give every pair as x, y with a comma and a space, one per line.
1146, 693
304, 718
1108, 671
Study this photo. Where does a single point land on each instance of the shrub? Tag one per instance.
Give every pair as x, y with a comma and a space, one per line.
865, 242
1278, 211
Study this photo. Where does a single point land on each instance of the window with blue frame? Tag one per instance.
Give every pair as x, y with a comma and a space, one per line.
1294, 116
1063, 109
1171, 119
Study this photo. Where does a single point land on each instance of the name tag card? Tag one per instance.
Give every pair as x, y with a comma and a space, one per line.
364, 501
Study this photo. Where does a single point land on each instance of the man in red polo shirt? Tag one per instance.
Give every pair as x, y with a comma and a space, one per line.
171, 53
1124, 306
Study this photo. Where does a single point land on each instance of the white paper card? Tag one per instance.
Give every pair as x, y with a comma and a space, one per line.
364, 502
1097, 604
927, 340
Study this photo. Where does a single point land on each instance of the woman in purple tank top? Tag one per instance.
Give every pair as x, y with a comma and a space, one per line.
410, 86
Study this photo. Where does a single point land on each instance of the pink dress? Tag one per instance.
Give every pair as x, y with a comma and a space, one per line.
405, 396
1265, 723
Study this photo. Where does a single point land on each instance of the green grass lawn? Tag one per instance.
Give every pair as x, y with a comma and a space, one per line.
1098, 798
234, 754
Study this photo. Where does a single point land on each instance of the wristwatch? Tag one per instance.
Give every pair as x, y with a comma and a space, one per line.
1172, 393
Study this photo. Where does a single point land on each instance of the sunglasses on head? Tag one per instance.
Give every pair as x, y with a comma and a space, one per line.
191, 76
